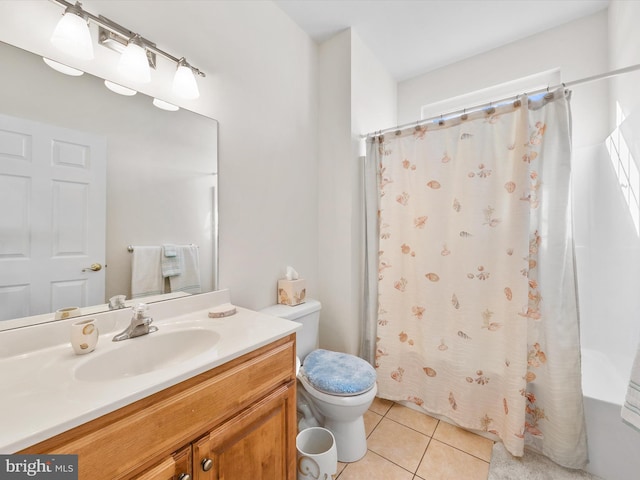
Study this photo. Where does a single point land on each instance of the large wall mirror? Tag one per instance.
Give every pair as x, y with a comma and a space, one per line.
159, 186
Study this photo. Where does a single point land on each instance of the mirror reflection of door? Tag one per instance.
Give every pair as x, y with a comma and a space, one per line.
52, 217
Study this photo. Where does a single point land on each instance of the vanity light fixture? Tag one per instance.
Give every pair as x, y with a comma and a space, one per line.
184, 82
165, 105
62, 68
72, 35
133, 63
119, 89
133, 47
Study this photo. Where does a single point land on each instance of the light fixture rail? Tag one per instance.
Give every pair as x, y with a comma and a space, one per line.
125, 35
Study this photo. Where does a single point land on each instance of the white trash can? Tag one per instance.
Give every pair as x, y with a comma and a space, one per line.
317, 454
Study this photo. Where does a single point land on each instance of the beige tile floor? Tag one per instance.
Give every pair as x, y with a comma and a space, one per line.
404, 444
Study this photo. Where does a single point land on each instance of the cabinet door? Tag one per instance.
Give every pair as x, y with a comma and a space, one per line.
259, 443
175, 467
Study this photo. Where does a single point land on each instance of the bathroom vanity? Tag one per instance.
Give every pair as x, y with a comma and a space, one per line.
227, 412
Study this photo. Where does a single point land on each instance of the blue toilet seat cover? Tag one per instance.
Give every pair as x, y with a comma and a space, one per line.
338, 373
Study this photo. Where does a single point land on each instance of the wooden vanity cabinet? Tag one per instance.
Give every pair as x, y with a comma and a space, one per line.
236, 421
248, 446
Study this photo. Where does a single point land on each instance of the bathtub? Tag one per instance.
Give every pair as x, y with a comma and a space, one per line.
614, 447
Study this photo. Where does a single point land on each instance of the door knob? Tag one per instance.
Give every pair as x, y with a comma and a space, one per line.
95, 267
207, 463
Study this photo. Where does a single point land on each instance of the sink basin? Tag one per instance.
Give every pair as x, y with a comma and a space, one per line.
144, 354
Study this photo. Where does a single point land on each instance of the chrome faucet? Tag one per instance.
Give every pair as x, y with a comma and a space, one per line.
140, 324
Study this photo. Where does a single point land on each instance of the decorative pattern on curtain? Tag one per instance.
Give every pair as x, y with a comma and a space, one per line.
476, 312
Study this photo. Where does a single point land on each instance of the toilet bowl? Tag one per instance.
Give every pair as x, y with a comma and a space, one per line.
345, 420
342, 412
335, 388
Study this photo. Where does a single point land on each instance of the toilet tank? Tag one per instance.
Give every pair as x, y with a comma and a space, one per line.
308, 314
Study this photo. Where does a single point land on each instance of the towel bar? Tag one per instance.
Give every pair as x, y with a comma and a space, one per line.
130, 248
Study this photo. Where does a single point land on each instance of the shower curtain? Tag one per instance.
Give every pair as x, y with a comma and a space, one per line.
471, 308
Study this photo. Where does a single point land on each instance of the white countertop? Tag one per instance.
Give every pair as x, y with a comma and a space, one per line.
41, 397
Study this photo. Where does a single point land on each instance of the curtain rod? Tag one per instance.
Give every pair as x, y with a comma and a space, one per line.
592, 78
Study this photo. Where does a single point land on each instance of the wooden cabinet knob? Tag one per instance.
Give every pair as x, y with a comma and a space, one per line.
184, 476
207, 463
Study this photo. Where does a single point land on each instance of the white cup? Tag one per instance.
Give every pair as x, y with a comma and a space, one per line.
84, 336
68, 312
317, 454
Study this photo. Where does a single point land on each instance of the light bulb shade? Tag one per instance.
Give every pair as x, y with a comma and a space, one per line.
165, 105
119, 89
72, 37
62, 68
184, 83
133, 64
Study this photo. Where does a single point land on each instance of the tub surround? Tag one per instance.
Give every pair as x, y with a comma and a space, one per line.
613, 445
42, 396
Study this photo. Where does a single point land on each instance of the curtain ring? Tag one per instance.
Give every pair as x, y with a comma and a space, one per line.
517, 103
464, 115
441, 122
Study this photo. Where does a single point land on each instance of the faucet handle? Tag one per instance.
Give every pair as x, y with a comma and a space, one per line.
139, 310
117, 302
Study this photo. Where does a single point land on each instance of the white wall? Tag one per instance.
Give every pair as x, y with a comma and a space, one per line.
374, 91
616, 246
578, 48
356, 94
335, 210
624, 50
266, 102
261, 86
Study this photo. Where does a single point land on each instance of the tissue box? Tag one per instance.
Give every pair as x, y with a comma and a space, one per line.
291, 292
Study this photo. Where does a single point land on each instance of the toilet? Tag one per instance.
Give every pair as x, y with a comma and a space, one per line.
334, 389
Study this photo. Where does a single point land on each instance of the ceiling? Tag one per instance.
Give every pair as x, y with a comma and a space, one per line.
412, 37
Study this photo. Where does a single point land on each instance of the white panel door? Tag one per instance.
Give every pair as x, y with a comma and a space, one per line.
52, 217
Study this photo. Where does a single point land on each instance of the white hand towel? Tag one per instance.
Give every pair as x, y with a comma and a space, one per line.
171, 264
189, 279
146, 272
631, 408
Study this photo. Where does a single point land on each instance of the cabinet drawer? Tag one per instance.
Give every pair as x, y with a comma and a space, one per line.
171, 468
135, 437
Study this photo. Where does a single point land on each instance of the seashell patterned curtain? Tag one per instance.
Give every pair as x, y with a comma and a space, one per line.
472, 308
